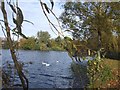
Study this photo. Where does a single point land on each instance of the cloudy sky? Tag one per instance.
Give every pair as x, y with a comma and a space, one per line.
32, 11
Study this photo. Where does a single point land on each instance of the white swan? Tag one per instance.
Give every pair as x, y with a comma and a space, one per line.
46, 64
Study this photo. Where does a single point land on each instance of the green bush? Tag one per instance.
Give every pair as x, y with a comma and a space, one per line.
98, 72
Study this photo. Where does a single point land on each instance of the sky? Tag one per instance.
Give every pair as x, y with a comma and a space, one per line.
32, 11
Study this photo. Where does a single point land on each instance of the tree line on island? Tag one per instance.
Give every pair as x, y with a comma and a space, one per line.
43, 41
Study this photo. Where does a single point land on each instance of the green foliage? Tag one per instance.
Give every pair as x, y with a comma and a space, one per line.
56, 44
107, 75
58, 40
95, 22
27, 44
43, 36
70, 46
43, 47
36, 46
98, 72
42, 42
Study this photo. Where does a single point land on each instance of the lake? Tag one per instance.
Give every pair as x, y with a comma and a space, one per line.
48, 69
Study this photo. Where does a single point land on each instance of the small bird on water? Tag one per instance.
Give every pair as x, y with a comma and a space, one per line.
46, 64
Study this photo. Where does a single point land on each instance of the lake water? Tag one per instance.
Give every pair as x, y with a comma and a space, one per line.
48, 69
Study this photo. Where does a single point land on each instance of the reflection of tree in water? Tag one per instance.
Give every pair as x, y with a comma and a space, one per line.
80, 75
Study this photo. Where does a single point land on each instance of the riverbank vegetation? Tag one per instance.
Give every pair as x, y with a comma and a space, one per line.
95, 25
104, 73
42, 41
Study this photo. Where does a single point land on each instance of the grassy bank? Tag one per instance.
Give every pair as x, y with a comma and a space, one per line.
107, 76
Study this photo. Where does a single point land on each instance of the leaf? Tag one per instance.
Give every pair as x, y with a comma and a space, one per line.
68, 31
14, 33
29, 21
46, 7
14, 20
23, 36
20, 16
18, 33
14, 30
75, 29
68, 38
12, 7
52, 3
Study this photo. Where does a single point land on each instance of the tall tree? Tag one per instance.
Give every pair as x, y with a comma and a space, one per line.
43, 36
88, 18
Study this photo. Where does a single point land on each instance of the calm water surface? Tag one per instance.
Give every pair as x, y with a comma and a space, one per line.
48, 69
